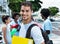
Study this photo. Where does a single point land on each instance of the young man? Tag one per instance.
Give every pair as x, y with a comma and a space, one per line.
47, 26
26, 13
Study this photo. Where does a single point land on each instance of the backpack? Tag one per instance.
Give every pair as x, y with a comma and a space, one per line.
44, 34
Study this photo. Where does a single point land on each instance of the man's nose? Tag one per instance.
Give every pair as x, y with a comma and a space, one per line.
24, 13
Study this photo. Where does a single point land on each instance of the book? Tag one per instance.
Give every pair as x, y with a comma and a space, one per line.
21, 40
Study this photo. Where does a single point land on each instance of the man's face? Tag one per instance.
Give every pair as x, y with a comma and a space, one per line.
26, 12
17, 17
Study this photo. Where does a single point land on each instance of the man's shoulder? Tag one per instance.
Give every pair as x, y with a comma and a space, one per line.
36, 27
46, 21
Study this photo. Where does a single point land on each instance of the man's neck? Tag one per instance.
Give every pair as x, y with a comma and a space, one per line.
26, 21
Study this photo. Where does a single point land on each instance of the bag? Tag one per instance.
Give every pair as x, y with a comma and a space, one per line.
18, 27
47, 31
44, 34
50, 42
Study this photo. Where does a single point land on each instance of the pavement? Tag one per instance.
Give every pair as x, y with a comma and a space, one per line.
55, 38
55, 35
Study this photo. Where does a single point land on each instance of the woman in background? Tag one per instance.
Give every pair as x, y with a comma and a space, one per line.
6, 29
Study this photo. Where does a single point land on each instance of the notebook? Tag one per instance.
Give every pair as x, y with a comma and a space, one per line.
21, 40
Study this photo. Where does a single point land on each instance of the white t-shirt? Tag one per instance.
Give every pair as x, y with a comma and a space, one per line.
35, 32
8, 35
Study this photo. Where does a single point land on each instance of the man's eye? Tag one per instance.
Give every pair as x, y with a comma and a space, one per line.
22, 10
27, 10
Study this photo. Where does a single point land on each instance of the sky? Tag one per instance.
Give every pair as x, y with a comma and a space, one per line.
51, 3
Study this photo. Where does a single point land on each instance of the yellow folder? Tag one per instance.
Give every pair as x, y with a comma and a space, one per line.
20, 40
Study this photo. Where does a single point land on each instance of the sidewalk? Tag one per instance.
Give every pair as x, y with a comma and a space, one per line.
55, 38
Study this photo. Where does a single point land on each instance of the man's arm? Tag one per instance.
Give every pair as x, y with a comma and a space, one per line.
37, 35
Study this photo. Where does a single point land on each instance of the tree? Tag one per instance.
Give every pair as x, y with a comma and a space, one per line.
36, 5
53, 10
14, 5
16, 1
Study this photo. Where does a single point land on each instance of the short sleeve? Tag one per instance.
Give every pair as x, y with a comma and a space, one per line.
47, 26
37, 35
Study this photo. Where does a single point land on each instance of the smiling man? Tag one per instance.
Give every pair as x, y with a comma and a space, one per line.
26, 13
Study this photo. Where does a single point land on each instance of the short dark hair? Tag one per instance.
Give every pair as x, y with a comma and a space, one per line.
26, 3
5, 17
45, 12
14, 15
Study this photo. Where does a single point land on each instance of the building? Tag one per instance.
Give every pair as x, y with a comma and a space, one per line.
4, 9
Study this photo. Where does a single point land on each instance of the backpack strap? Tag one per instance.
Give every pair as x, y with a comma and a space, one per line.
28, 34
44, 34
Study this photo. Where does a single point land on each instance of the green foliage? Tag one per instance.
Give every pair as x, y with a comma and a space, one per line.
16, 1
36, 5
53, 10
14, 5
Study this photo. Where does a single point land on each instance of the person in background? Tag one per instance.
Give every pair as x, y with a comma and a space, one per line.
6, 29
16, 20
15, 17
47, 25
